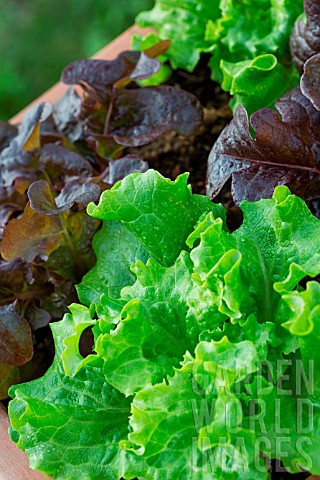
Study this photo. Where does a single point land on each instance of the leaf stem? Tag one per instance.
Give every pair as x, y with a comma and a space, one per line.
80, 262
109, 111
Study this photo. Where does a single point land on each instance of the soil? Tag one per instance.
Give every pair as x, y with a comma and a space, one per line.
173, 154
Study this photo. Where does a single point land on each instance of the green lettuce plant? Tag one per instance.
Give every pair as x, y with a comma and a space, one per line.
205, 360
248, 42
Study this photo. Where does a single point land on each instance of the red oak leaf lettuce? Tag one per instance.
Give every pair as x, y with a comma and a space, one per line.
283, 151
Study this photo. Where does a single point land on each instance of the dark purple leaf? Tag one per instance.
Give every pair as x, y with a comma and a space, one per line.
100, 73
7, 133
57, 303
284, 152
66, 115
58, 162
118, 169
36, 316
18, 165
128, 66
75, 192
16, 346
16, 160
310, 80
141, 115
43, 201
145, 68
305, 37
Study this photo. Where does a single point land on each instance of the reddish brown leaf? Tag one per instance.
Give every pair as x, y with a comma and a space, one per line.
42, 200
284, 152
31, 235
305, 36
141, 115
16, 346
310, 80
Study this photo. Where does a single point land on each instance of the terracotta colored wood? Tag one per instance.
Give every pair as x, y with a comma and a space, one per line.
13, 462
109, 52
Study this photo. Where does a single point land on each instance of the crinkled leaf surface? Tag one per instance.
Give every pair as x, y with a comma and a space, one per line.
172, 417
85, 417
252, 82
304, 320
237, 35
61, 158
188, 40
283, 152
117, 116
305, 36
148, 112
154, 331
149, 206
207, 349
271, 258
112, 269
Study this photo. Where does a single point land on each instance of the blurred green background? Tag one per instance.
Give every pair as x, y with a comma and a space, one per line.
38, 38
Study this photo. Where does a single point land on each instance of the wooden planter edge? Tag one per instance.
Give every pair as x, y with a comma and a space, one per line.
112, 50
